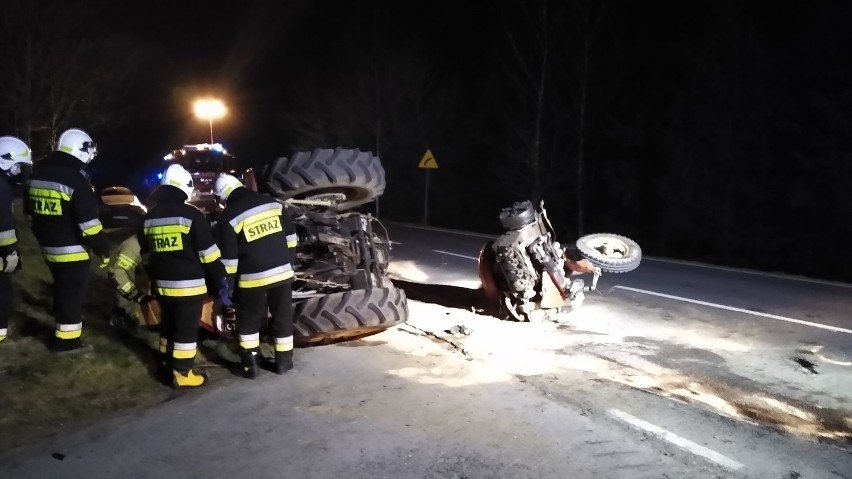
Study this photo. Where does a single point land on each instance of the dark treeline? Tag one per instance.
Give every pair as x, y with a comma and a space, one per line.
706, 131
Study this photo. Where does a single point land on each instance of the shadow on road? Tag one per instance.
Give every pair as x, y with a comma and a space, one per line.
452, 297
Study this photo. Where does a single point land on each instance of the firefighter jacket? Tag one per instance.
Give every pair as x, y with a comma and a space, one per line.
257, 240
64, 210
182, 255
122, 265
8, 237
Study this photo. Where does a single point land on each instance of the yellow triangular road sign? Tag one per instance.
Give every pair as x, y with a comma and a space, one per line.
428, 160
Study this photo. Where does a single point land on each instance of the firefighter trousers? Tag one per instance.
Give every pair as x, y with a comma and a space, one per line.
6, 294
179, 330
70, 284
255, 305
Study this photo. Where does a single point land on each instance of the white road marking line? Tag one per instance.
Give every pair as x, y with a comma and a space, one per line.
455, 254
663, 260
678, 441
446, 230
738, 310
752, 272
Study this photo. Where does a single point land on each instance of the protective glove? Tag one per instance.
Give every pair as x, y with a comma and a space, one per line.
224, 293
9, 263
136, 296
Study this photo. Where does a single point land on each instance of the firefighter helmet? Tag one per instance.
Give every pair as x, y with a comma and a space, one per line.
178, 177
13, 152
224, 185
78, 143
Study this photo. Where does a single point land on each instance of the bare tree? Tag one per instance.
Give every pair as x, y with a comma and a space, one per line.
586, 17
530, 41
65, 71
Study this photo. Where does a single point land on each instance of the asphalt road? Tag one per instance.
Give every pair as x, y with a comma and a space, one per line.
672, 370
752, 349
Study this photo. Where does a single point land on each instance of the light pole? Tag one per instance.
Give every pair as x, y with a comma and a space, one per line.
210, 109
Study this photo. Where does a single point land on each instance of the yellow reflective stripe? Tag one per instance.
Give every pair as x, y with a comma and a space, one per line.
292, 244
230, 265
65, 254
211, 257
48, 193
93, 230
91, 227
194, 291
69, 334
126, 287
183, 353
171, 220
66, 257
210, 254
284, 344
8, 237
183, 350
51, 185
76, 333
250, 341
257, 217
237, 221
166, 229
126, 262
255, 283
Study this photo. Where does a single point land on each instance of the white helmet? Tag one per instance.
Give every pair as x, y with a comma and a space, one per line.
13, 152
178, 177
224, 185
78, 143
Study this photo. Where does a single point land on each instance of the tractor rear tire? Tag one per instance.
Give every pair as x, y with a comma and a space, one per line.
348, 315
357, 176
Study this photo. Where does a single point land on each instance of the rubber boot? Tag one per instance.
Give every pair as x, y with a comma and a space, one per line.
68, 346
283, 361
249, 361
187, 379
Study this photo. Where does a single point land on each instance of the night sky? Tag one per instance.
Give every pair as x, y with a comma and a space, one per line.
715, 131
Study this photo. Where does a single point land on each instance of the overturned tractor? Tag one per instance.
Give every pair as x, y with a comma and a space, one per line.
532, 277
341, 288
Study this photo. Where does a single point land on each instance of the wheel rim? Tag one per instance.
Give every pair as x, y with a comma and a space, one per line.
340, 336
609, 247
336, 196
510, 308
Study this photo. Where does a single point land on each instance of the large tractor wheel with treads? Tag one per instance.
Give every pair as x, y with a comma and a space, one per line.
348, 315
345, 177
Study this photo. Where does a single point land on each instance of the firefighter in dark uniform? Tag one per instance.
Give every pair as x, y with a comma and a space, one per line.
257, 241
182, 259
13, 153
64, 213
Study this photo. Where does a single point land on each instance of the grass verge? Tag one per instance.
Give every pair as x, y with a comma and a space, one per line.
43, 393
